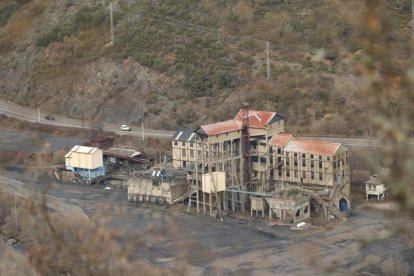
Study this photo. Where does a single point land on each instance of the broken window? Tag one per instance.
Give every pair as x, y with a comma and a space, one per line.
288, 173
175, 143
279, 150
320, 176
304, 163
312, 164
295, 162
320, 164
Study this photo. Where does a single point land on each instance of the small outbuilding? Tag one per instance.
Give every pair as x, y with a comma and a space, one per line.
289, 206
375, 188
87, 162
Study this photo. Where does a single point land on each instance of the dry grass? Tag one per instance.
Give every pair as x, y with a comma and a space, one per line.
21, 24
56, 244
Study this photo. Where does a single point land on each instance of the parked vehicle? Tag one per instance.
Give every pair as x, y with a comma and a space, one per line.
49, 117
125, 128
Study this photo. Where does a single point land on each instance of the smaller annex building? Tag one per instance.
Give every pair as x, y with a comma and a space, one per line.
87, 162
184, 147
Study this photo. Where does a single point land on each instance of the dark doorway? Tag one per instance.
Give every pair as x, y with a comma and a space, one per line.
343, 205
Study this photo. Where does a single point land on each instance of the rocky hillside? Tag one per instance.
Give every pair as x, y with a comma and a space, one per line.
186, 62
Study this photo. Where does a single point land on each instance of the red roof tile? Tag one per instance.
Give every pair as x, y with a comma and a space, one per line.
222, 127
310, 146
263, 116
281, 139
255, 119
255, 122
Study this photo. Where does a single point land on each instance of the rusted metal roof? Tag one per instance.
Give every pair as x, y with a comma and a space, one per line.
311, 146
263, 117
281, 139
222, 127
254, 119
255, 122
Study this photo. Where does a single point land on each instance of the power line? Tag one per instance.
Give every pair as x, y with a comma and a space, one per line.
195, 27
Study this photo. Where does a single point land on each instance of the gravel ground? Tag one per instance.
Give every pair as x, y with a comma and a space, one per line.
246, 246
11, 140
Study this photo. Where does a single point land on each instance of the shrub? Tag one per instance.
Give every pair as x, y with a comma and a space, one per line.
6, 11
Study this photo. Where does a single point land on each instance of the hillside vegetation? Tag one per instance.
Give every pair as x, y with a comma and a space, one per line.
183, 63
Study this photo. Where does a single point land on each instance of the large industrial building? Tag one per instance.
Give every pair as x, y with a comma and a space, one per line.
262, 164
86, 162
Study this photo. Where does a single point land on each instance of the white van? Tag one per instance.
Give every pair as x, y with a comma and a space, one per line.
125, 128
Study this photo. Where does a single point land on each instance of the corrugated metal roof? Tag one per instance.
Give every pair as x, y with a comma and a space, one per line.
124, 152
311, 146
222, 127
191, 138
254, 119
184, 134
375, 180
81, 149
263, 116
281, 139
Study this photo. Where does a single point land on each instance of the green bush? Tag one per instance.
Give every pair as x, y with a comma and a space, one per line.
85, 18
54, 35
6, 11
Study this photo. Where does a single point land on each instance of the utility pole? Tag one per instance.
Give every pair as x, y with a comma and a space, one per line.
268, 60
111, 16
142, 130
412, 17
38, 115
15, 213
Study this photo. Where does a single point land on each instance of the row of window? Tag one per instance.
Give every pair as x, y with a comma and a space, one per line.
295, 154
183, 143
304, 174
184, 153
296, 174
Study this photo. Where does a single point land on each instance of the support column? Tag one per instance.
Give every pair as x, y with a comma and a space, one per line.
204, 203
233, 201
210, 195
267, 179
225, 203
